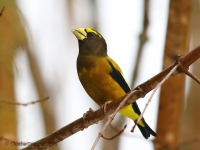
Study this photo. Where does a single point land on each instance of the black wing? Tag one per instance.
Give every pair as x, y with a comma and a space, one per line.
117, 76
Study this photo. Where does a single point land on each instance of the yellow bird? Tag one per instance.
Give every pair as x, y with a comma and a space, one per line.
101, 77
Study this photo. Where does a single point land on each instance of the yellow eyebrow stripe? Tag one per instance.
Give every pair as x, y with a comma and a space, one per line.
89, 30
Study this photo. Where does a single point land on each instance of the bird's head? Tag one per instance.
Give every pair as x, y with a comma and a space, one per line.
90, 42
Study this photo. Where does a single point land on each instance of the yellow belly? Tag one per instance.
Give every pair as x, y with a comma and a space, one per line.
130, 113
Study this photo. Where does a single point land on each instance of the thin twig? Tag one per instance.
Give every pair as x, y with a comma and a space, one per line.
154, 91
112, 117
120, 132
25, 104
2, 11
192, 76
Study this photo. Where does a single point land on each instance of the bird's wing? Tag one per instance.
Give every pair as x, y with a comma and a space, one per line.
116, 74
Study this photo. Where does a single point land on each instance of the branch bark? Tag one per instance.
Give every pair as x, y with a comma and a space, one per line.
93, 117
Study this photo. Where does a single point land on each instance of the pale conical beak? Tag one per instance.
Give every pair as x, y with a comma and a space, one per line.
79, 33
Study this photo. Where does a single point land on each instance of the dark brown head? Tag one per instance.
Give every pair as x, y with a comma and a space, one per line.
90, 42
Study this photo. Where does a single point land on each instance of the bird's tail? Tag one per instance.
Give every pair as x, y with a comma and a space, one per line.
146, 130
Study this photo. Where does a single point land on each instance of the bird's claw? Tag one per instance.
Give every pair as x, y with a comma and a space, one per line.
141, 92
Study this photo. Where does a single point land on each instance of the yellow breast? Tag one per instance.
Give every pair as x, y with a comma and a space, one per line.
94, 74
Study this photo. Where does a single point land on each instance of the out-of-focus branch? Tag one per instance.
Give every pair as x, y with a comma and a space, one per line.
143, 38
171, 104
24, 104
42, 88
190, 121
93, 117
11, 38
189, 141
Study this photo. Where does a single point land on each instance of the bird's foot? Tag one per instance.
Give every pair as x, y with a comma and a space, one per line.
141, 93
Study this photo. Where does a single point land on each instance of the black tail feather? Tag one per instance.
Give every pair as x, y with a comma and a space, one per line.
146, 130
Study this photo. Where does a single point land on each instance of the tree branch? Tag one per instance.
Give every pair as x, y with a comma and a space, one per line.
25, 104
93, 117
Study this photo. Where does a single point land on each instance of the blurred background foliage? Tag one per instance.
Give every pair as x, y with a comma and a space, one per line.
38, 58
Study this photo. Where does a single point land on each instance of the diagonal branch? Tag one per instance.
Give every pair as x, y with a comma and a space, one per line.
93, 117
